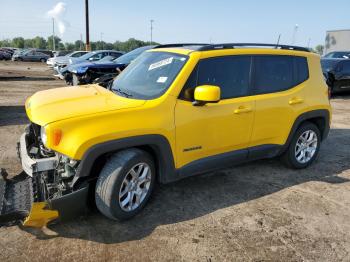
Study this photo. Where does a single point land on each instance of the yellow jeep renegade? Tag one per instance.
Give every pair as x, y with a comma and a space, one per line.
176, 111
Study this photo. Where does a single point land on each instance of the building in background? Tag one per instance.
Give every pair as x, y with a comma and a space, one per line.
337, 40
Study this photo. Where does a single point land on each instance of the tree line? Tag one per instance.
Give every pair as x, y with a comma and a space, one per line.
126, 46
42, 43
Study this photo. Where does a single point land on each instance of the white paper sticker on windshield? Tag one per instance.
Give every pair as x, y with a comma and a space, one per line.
161, 63
162, 79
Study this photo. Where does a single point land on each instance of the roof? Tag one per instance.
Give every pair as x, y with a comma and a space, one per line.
208, 47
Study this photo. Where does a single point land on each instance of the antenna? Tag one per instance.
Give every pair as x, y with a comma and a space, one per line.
278, 40
151, 30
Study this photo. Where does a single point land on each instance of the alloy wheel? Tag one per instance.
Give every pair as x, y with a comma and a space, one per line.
135, 187
306, 146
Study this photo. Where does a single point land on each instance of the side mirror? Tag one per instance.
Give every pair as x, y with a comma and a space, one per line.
206, 94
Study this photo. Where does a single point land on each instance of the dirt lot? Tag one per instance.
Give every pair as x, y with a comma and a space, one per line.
256, 212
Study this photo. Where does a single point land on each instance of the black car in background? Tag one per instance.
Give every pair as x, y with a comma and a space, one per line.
5, 55
338, 54
337, 74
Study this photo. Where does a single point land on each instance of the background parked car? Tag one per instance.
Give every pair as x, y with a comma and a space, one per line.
8, 50
44, 51
61, 69
88, 72
5, 55
64, 59
337, 73
31, 55
338, 54
61, 53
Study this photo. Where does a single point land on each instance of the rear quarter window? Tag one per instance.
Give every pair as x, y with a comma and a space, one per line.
275, 73
301, 68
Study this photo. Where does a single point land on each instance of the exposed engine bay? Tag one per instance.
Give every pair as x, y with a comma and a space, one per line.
51, 183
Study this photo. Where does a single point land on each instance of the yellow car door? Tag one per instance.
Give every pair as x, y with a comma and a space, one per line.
215, 130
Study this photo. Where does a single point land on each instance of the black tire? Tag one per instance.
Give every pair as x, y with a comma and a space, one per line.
111, 178
289, 157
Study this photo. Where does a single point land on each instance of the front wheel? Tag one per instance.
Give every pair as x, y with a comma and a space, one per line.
125, 184
75, 80
304, 147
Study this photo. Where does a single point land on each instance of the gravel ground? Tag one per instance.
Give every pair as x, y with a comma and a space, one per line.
260, 211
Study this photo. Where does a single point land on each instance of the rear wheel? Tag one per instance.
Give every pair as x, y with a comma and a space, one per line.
125, 184
304, 147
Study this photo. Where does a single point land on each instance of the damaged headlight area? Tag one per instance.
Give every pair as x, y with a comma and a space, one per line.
80, 70
52, 171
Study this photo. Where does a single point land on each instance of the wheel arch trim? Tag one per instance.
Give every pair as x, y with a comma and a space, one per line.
158, 143
319, 113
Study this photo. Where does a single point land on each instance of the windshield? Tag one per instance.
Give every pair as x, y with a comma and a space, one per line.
87, 56
338, 55
149, 76
132, 55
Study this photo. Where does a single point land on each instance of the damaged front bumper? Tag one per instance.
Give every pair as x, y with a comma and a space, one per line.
31, 166
19, 196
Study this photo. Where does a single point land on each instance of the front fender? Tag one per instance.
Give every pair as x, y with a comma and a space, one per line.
158, 143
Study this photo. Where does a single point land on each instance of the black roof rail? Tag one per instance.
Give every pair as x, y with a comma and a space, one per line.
234, 45
180, 45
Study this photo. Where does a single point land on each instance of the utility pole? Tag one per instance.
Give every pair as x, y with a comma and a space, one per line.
53, 34
88, 47
151, 30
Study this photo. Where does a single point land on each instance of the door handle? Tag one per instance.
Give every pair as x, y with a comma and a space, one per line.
242, 109
296, 100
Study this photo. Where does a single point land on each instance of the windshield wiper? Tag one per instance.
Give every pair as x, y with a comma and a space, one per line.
123, 93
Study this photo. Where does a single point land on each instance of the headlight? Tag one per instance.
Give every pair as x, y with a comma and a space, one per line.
80, 70
43, 135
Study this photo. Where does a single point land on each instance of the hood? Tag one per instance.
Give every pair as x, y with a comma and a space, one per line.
78, 66
52, 105
81, 68
74, 60
328, 64
62, 60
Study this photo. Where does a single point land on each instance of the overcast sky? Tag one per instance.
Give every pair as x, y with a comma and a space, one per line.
180, 20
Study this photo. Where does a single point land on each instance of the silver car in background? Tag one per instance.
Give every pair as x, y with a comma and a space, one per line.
51, 62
